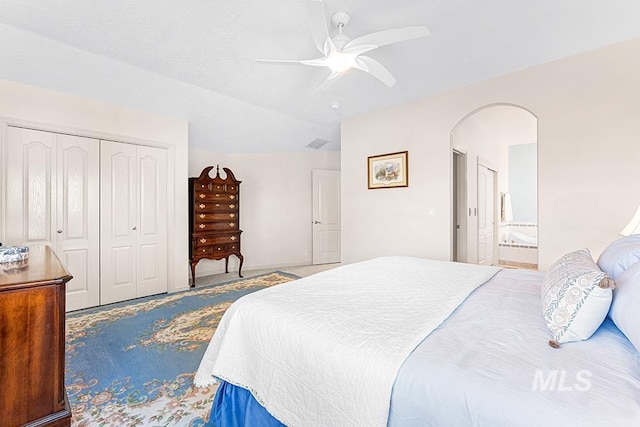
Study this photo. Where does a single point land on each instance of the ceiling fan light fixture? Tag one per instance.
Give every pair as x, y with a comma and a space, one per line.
340, 62
340, 53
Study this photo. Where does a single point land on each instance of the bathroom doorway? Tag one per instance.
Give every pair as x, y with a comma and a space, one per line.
504, 136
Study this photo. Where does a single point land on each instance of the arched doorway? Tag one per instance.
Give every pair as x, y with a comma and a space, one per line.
494, 187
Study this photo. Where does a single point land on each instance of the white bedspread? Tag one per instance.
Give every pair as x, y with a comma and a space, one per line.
326, 349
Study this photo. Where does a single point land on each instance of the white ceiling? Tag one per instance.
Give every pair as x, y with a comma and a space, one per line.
202, 53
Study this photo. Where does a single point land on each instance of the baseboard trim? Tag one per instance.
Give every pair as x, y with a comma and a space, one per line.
233, 268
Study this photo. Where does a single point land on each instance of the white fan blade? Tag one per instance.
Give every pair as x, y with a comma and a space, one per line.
319, 30
281, 61
382, 38
331, 80
376, 69
320, 62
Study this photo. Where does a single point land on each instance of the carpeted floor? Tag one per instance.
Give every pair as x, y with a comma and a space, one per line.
132, 363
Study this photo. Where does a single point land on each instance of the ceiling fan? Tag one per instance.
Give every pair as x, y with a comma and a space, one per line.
342, 53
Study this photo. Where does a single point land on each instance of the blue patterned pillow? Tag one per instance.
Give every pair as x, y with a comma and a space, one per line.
576, 296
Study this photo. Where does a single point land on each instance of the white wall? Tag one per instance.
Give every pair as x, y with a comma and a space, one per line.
66, 113
588, 132
523, 182
275, 205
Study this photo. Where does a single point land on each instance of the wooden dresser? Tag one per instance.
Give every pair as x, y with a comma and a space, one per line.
32, 341
214, 214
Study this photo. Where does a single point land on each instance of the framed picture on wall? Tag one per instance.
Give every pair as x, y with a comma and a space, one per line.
388, 170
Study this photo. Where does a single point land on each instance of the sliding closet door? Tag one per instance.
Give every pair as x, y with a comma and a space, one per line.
52, 199
152, 220
77, 241
118, 230
134, 221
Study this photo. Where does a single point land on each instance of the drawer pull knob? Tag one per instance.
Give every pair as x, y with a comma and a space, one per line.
232, 197
203, 240
233, 237
232, 206
202, 196
219, 249
217, 195
217, 205
202, 226
202, 215
203, 250
232, 215
202, 205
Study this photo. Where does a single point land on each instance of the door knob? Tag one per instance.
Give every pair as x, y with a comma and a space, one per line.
134, 228
59, 231
317, 222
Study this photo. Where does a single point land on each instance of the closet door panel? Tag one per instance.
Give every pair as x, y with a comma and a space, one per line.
118, 230
152, 230
30, 209
78, 218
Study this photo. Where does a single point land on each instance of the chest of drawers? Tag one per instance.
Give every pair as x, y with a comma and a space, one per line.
32, 334
214, 210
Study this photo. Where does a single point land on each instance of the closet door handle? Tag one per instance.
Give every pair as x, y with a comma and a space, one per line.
134, 228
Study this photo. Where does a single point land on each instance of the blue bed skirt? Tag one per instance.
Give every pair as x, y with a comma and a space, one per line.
236, 407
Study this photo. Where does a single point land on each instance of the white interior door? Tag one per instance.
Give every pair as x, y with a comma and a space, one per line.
118, 230
78, 218
152, 221
326, 216
31, 187
486, 214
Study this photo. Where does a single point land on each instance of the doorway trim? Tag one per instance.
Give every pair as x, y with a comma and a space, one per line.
459, 201
496, 209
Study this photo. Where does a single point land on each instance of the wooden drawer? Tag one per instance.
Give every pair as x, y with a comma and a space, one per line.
201, 196
210, 186
214, 250
215, 239
216, 226
215, 207
219, 206
223, 217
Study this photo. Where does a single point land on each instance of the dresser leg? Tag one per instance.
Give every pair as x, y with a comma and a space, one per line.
226, 264
241, 261
193, 274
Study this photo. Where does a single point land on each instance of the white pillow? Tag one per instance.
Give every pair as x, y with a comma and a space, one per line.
620, 255
625, 311
576, 297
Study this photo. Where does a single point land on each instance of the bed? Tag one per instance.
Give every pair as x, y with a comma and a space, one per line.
459, 345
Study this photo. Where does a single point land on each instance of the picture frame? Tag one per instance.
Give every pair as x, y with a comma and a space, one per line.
388, 170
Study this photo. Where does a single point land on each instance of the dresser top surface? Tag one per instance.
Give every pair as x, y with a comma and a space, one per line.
41, 266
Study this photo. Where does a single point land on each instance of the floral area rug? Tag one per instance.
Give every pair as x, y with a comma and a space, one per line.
133, 363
